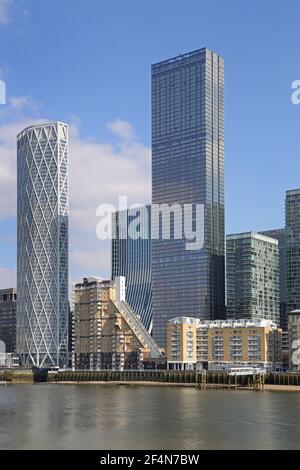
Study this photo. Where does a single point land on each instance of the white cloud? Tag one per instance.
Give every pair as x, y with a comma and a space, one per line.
101, 172
19, 103
1, 70
4, 10
7, 278
8, 165
89, 256
122, 129
14, 12
98, 173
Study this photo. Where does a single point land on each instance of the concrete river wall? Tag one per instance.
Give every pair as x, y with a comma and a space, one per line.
208, 379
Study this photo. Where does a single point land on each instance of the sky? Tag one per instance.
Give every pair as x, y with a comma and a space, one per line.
88, 63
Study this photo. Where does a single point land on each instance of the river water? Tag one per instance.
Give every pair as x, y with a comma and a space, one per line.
46, 416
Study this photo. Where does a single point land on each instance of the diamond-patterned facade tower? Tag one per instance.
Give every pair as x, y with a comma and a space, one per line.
42, 307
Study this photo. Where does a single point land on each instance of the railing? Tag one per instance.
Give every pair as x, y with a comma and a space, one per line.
140, 330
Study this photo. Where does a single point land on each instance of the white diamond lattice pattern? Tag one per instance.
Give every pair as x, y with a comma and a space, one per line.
42, 286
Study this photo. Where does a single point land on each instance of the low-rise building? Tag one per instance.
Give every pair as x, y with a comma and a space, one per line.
285, 351
224, 344
7, 360
90, 298
182, 343
125, 342
294, 340
107, 333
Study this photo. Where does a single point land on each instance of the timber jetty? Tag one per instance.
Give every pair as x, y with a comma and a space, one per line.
203, 380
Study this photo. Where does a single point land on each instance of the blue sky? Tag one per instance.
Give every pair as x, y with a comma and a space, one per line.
88, 63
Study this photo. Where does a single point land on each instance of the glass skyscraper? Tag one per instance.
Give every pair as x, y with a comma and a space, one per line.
42, 307
252, 277
280, 235
132, 258
188, 168
292, 215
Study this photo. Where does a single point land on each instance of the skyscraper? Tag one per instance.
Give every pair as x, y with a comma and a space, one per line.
131, 257
42, 308
292, 214
252, 277
280, 235
8, 307
188, 168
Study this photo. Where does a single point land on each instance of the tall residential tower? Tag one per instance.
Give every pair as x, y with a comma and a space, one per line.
280, 235
292, 215
42, 308
188, 168
252, 277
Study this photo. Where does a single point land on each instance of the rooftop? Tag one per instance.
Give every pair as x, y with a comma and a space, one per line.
181, 57
42, 124
242, 323
293, 192
255, 235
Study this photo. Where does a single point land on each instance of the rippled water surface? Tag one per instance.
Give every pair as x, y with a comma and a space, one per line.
45, 416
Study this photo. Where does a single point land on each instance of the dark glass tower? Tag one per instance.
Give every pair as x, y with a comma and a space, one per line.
8, 307
132, 258
292, 215
188, 168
